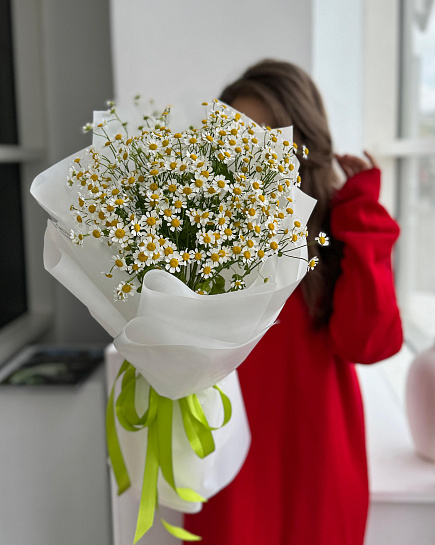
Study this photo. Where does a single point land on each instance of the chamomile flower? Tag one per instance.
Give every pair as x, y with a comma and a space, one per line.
151, 220
124, 290
207, 269
206, 238
322, 239
150, 246
220, 184
312, 263
120, 234
238, 284
77, 237
173, 262
141, 258
119, 262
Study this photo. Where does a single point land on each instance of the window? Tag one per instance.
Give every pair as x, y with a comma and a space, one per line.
21, 316
416, 158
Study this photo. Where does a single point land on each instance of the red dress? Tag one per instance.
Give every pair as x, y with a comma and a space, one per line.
305, 479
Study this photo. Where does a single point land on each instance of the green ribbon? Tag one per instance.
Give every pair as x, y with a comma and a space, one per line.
158, 419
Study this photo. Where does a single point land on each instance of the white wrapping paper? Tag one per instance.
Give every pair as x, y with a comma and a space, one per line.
181, 342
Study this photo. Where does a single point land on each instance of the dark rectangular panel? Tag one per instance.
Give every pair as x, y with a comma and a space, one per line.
8, 116
13, 297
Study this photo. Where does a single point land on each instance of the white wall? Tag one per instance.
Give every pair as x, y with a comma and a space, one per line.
186, 52
338, 68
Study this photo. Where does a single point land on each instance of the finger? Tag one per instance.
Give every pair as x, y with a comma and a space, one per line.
372, 160
356, 163
347, 170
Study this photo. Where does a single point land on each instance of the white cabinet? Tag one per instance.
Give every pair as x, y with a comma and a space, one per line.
54, 478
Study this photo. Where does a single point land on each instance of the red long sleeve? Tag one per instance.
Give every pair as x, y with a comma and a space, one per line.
365, 325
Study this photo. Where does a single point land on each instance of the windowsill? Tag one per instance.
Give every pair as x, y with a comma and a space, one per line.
397, 474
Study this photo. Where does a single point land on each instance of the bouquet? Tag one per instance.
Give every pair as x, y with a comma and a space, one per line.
184, 246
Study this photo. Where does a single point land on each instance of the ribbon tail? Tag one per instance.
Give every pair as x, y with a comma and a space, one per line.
113, 446
164, 419
180, 533
148, 500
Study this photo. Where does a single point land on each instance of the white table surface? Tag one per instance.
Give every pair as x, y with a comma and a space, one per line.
396, 472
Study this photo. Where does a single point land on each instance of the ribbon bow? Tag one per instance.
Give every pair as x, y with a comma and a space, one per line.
158, 419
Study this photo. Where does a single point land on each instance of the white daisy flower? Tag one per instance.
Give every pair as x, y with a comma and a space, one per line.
176, 224
169, 248
140, 258
173, 262
207, 270
151, 220
120, 234
227, 233
187, 257
206, 238
124, 290
322, 239
119, 262
312, 263
238, 284
150, 246
77, 237
220, 183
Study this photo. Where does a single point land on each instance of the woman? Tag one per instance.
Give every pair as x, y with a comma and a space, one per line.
305, 478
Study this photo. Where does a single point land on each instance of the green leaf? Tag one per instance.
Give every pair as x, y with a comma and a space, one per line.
218, 285
204, 286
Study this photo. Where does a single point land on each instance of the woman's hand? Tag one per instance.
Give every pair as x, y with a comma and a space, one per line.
351, 164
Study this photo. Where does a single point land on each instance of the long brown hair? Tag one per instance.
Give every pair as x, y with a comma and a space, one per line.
293, 99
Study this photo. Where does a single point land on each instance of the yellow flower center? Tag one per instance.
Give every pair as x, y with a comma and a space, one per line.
173, 263
274, 245
198, 256
126, 288
151, 221
207, 270
214, 257
260, 254
151, 246
119, 263
207, 239
142, 257
247, 254
236, 250
119, 233
96, 233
